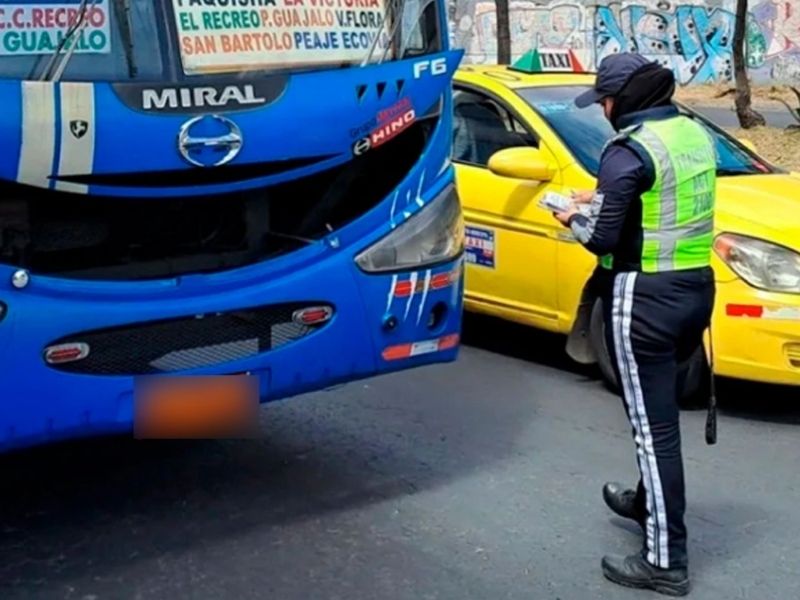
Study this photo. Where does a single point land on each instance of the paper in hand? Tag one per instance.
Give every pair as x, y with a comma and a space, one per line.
555, 202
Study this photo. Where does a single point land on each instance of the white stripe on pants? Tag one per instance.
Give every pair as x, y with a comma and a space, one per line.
657, 531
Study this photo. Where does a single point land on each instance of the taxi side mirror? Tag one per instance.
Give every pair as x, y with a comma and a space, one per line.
521, 163
748, 144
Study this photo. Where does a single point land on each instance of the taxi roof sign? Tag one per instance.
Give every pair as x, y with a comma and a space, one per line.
548, 61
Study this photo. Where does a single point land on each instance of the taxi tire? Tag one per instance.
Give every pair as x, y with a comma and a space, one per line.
694, 372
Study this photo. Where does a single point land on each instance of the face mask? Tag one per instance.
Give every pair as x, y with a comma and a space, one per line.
649, 87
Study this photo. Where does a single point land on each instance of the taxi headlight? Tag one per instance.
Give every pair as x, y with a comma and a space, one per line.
434, 235
760, 263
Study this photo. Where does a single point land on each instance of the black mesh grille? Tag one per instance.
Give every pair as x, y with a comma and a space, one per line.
186, 343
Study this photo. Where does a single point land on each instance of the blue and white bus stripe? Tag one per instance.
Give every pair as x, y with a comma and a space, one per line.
49, 146
38, 150
56, 137
76, 156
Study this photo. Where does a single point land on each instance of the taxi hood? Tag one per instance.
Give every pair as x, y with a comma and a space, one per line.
762, 206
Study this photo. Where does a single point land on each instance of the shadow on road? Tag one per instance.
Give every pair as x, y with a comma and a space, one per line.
89, 514
760, 402
521, 342
739, 399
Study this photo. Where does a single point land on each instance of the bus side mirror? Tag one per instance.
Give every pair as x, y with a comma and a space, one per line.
521, 163
748, 144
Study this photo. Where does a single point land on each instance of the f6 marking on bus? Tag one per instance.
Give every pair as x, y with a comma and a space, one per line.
436, 66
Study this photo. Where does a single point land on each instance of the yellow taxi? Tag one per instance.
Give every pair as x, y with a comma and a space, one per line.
518, 135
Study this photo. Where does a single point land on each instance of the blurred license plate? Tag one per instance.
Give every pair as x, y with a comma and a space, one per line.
196, 407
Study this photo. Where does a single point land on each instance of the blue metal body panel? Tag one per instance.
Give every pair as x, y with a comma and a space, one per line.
314, 115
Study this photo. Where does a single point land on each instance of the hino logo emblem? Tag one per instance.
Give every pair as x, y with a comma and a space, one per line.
209, 141
201, 97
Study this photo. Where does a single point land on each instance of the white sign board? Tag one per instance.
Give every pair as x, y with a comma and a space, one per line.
238, 35
32, 27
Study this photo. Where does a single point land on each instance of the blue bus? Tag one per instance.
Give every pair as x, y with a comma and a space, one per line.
212, 187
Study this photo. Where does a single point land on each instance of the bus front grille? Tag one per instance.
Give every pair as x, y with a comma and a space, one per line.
111, 238
186, 343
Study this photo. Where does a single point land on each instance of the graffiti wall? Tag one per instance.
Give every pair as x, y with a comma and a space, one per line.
693, 38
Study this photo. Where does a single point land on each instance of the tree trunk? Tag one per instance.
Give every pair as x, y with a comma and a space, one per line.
748, 118
503, 33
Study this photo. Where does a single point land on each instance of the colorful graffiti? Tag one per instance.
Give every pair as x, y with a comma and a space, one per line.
694, 39
556, 25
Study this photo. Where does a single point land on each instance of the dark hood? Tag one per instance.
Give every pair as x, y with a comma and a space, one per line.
649, 87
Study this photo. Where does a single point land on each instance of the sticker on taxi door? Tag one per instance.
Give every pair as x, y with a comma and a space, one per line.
480, 248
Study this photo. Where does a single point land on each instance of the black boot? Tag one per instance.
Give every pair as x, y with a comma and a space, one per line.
635, 572
623, 502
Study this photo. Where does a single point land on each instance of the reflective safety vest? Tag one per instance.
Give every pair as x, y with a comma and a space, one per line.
678, 211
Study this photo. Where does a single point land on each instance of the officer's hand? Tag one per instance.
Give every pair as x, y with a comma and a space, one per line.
584, 197
564, 216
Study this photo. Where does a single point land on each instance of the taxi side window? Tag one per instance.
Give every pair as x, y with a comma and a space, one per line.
482, 126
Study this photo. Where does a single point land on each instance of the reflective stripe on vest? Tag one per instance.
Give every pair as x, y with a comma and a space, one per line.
678, 211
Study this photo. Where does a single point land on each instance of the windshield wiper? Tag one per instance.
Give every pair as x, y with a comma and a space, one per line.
123, 8
398, 10
55, 69
377, 39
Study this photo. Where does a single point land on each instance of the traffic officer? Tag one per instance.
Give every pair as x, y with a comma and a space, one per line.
651, 222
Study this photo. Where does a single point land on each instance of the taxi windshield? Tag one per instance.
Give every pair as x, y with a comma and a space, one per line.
585, 131
168, 40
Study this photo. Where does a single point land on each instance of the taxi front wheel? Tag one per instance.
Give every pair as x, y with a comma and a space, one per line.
693, 374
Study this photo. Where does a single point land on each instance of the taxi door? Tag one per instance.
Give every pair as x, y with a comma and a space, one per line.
511, 242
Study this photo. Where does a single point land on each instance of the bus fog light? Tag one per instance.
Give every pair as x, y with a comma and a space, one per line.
434, 235
20, 279
437, 316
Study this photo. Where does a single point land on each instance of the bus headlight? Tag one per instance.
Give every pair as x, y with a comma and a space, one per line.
434, 235
760, 263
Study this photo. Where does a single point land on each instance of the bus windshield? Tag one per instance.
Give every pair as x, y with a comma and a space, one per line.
169, 40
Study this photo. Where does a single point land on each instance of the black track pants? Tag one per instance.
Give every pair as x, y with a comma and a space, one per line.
653, 322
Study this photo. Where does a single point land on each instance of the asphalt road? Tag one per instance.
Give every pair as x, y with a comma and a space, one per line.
475, 480
726, 117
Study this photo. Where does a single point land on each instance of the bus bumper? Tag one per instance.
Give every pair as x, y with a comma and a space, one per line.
380, 323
